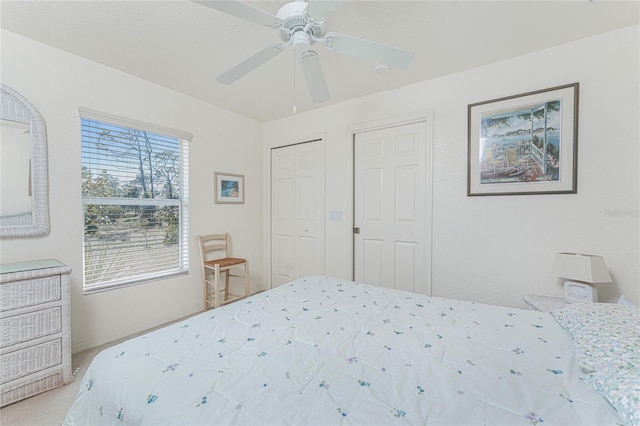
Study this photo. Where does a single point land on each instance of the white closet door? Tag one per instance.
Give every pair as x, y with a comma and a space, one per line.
389, 207
297, 212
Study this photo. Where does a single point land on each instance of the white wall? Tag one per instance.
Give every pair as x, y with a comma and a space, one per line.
495, 249
57, 83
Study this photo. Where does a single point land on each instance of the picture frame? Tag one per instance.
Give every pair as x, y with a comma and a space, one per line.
229, 188
524, 144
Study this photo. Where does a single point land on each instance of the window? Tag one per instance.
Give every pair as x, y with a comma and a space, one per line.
135, 198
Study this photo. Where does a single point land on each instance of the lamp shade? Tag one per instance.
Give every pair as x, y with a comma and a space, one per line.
581, 267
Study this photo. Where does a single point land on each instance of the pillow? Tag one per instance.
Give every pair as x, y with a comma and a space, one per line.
605, 335
623, 301
622, 390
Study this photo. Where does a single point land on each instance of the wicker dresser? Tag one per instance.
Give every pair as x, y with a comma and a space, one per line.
35, 333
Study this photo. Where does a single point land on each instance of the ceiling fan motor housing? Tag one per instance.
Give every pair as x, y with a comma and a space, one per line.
294, 20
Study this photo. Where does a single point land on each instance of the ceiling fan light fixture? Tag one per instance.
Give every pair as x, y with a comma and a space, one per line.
300, 41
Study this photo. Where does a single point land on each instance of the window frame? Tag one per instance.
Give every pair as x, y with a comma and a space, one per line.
184, 139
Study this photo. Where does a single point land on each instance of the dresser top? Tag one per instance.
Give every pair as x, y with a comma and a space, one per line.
8, 268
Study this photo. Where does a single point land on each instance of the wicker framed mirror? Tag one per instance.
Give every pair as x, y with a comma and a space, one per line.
24, 204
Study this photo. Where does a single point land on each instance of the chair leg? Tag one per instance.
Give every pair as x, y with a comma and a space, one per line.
246, 278
206, 295
216, 286
226, 285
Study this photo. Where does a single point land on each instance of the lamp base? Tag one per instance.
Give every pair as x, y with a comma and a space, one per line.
577, 292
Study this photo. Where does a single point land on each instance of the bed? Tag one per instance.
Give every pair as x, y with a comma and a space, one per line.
321, 351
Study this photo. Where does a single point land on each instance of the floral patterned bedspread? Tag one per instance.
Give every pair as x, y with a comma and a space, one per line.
324, 351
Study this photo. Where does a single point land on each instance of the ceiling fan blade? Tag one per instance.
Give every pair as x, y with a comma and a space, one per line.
369, 50
321, 10
314, 76
242, 10
251, 63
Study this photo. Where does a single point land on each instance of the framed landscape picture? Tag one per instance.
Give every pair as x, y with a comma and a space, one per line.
524, 144
229, 188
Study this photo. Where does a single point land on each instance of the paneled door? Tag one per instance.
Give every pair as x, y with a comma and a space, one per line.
390, 207
297, 212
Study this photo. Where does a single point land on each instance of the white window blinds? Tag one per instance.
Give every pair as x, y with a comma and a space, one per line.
135, 198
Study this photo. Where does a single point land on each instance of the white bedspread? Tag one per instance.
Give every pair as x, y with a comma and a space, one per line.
327, 351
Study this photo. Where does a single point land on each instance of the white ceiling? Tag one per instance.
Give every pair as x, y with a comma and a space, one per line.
183, 45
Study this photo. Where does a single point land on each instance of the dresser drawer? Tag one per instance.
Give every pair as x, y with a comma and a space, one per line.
14, 365
21, 294
29, 326
16, 391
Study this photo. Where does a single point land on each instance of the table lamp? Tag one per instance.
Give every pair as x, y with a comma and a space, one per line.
581, 272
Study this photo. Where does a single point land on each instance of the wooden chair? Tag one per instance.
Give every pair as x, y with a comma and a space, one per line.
215, 250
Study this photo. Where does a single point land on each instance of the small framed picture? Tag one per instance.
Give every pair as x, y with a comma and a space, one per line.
229, 188
524, 144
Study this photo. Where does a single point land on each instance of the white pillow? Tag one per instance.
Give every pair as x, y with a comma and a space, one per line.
623, 301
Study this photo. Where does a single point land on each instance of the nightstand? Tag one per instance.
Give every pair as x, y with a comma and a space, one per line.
536, 302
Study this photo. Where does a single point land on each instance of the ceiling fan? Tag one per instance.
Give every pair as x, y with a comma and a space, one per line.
301, 24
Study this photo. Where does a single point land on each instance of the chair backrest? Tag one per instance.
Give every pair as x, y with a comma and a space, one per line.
214, 246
